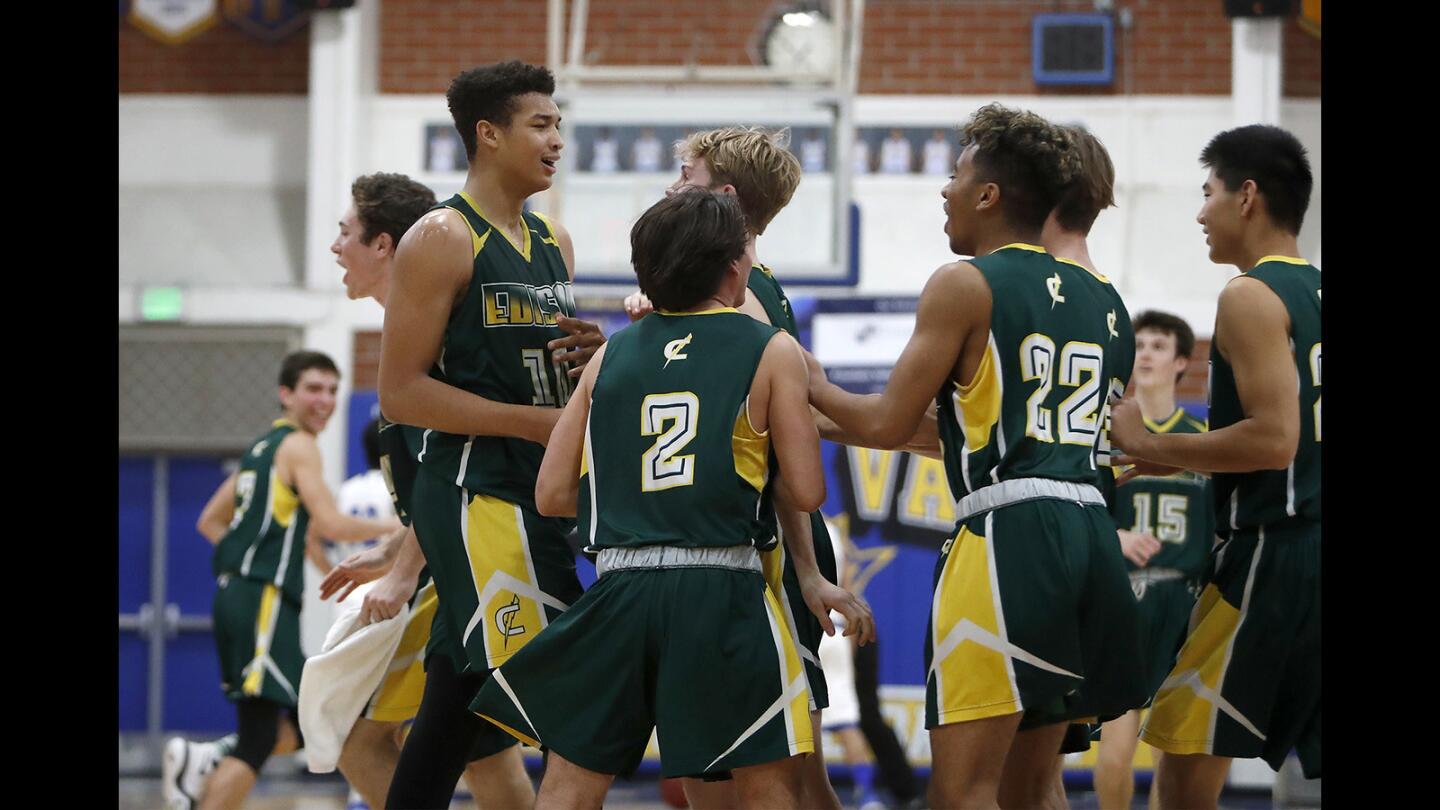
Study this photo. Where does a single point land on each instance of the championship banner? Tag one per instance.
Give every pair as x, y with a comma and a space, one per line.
267, 20
174, 22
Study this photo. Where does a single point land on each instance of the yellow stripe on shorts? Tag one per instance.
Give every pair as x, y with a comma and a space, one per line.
1182, 718
264, 630
503, 574
974, 676
798, 729
398, 698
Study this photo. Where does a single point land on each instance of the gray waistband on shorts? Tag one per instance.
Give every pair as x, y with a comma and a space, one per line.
738, 558
1156, 575
1019, 490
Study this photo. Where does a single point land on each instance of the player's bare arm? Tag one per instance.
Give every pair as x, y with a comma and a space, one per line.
953, 305
557, 486
299, 460
433, 266
778, 397
315, 551
215, 518
1252, 332
925, 442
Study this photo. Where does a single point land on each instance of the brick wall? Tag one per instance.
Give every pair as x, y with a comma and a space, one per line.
978, 47
221, 60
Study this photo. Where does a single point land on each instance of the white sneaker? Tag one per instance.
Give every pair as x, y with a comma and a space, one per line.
174, 763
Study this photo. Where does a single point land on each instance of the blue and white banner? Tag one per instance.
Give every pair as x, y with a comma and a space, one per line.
267, 20
174, 22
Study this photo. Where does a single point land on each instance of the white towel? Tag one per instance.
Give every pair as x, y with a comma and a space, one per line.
336, 684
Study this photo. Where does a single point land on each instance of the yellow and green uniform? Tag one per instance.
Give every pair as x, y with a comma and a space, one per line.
1033, 611
502, 571
1177, 511
779, 567
1246, 682
259, 567
681, 630
398, 697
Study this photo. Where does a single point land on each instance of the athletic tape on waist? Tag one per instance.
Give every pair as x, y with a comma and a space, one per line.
737, 558
1019, 490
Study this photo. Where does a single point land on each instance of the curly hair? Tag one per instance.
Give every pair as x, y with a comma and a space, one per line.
1029, 158
388, 203
1093, 189
1274, 159
755, 161
487, 93
682, 246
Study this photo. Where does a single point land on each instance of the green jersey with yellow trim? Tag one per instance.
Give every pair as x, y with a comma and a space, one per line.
495, 346
771, 296
1060, 350
266, 540
1264, 497
690, 473
1176, 509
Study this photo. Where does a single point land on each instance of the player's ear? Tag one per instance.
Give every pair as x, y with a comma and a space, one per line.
989, 196
486, 133
384, 245
729, 189
1249, 195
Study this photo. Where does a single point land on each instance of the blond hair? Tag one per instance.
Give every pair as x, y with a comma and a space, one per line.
753, 160
1092, 190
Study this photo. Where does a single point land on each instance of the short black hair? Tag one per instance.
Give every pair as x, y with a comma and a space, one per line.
487, 93
388, 203
297, 363
1274, 159
1167, 324
1029, 158
682, 246
370, 437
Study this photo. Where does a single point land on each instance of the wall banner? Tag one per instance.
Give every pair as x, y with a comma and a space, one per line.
174, 22
267, 20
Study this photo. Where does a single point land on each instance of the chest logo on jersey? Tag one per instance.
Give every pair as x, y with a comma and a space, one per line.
505, 620
674, 348
1110, 323
1053, 285
260, 448
509, 303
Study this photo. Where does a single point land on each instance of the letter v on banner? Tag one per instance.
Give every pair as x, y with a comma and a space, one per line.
174, 22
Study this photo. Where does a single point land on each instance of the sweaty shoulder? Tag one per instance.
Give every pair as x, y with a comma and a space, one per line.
440, 225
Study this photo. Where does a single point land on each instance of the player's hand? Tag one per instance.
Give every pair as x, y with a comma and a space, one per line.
1127, 426
822, 596
584, 339
1138, 547
817, 371
358, 569
384, 600
1139, 467
637, 306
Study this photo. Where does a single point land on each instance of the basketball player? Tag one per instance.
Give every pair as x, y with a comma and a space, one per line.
383, 207
258, 520
479, 290
1066, 237
681, 629
1247, 681
1166, 528
1019, 351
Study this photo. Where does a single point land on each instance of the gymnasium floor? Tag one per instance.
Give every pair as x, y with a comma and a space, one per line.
328, 793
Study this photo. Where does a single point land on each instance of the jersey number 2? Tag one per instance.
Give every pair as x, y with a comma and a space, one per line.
674, 418
1080, 367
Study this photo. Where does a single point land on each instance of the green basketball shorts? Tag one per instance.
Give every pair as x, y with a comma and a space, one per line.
700, 654
1033, 613
1247, 680
257, 633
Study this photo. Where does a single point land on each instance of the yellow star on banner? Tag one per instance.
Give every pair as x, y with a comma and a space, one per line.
861, 564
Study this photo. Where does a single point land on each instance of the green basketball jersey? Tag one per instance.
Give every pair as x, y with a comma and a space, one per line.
1253, 499
1060, 349
670, 455
494, 346
1176, 509
771, 295
266, 540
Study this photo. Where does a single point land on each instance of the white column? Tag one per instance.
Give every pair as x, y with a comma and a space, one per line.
344, 54
1255, 69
